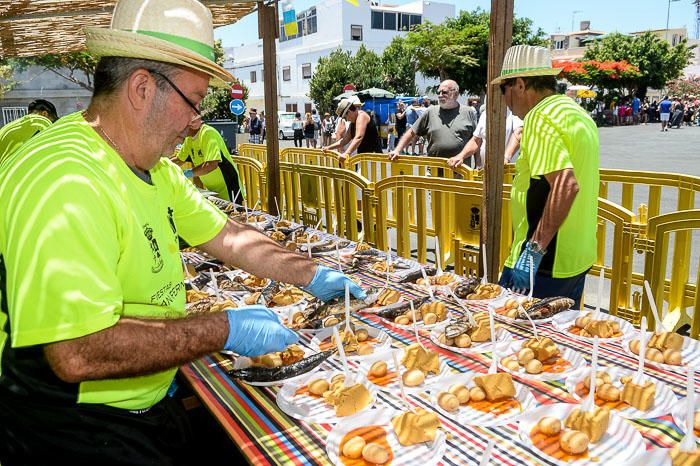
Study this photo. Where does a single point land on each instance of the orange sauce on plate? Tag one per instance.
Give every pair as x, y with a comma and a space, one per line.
370, 434
550, 446
577, 331
556, 365
582, 391
304, 390
497, 408
384, 380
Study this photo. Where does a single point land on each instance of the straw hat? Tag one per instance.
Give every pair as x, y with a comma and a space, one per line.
171, 31
526, 60
345, 104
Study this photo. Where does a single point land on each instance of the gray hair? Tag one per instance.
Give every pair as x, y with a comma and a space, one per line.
112, 72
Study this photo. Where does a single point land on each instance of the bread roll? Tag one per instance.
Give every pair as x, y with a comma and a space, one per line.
353, 447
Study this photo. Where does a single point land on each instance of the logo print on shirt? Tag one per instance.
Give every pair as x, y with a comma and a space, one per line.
157, 258
171, 213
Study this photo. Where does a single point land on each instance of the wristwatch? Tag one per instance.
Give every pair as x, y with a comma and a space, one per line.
535, 247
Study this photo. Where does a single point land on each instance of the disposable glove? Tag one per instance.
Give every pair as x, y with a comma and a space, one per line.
329, 283
256, 330
521, 271
188, 173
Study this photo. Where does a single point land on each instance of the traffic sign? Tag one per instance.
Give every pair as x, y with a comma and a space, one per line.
349, 87
237, 107
236, 91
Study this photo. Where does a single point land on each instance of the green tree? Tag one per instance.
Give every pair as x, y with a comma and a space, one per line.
366, 66
468, 34
6, 79
76, 67
398, 68
684, 86
657, 60
331, 74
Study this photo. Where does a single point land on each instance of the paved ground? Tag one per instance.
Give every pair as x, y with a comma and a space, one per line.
643, 148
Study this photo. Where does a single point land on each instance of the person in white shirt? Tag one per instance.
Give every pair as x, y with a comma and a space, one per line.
476, 146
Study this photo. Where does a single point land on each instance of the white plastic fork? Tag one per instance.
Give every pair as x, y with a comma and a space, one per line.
639, 376
688, 444
494, 351
589, 402
468, 312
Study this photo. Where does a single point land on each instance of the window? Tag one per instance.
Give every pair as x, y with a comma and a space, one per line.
407, 21
253, 77
262, 75
377, 20
307, 108
415, 20
558, 44
306, 71
355, 32
291, 107
286, 73
390, 21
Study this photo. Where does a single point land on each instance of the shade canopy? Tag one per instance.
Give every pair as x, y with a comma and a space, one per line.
344, 95
375, 93
30, 27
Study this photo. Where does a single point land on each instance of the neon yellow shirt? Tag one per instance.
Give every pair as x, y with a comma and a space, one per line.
85, 242
209, 146
557, 134
19, 131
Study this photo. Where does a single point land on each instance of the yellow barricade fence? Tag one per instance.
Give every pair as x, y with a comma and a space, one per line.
339, 192
657, 246
254, 179
311, 157
253, 151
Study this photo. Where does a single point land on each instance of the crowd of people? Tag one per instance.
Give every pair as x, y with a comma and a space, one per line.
671, 112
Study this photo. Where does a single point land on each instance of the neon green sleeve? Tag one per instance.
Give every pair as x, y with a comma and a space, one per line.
547, 146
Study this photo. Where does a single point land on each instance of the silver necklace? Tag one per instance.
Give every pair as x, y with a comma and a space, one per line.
109, 139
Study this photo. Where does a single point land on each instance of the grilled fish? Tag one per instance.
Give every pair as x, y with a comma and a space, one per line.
265, 374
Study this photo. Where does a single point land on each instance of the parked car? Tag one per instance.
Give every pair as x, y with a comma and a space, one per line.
284, 125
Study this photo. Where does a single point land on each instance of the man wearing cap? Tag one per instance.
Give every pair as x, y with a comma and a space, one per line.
448, 126
554, 199
254, 126
91, 279
206, 150
361, 135
41, 114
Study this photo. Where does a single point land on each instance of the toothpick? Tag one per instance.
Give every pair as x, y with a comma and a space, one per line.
341, 354
484, 279
601, 279
187, 274
388, 267
215, 286
639, 376
589, 403
494, 352
308, 244
466, 310
688, 444
397, 368
415, 326
438, 258
659, 324
245, 206
255, 207
427, 284
486, 457
233, 198
279, 212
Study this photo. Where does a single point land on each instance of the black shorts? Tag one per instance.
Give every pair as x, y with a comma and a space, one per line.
36, 433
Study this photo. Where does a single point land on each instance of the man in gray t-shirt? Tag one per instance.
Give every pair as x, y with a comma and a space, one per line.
447, 126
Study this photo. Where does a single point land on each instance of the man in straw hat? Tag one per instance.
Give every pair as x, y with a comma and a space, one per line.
93, 326
554, 200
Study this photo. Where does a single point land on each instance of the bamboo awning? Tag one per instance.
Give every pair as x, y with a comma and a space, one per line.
36, 27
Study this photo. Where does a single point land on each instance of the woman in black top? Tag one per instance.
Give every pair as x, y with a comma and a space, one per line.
309, 130
400, 120
362, 134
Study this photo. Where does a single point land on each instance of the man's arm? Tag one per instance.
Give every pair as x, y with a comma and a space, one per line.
206, 167
513, 144
563, 191
403, 142
339, 143
134, 347
471, 148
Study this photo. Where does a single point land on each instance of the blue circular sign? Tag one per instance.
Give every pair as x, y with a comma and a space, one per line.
237, 107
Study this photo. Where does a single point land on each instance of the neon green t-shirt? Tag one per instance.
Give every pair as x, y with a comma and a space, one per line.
84, 242
19, 131
208, 146
557, 134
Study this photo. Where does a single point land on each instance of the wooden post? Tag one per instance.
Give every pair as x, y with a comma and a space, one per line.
268, 29
501, 32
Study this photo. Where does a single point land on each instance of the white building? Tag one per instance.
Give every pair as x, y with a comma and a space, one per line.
323, 28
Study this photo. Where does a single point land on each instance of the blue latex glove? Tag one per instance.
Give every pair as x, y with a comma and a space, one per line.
188, 173
329, 283
256, 330
521, 271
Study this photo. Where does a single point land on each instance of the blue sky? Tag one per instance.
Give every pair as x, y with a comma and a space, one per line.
550, 15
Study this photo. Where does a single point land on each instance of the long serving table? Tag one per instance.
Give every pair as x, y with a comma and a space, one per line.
266, 435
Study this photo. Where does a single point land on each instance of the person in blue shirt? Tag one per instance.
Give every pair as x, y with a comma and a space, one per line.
635, 110
665, 112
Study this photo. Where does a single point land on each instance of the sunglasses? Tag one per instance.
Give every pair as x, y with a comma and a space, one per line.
444, 92
197, 114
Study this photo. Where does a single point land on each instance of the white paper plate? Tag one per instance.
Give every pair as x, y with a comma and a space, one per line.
576, 360
499, 302
690, 354
664, 401
678, 413
421, 325
382, 344
393, 385
504, 294
503, 341
620, 442
565, 321
654, 457
242, 361
468, 415
422, 454
313, 409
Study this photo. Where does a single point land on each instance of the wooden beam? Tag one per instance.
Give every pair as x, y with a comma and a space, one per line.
269, 29
500, 38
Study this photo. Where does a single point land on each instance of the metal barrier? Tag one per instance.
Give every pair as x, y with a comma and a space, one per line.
311, 157
254, 151
656, 245
339, 191
253, 178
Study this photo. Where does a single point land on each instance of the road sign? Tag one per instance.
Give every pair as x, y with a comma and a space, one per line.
349, 87
236, 91
237, 107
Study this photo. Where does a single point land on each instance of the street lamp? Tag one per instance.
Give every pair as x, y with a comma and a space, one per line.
668, 15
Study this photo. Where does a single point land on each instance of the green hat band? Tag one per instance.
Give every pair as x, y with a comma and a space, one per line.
519, 70
197, 47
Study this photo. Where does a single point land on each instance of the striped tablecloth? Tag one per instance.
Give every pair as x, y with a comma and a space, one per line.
266, 435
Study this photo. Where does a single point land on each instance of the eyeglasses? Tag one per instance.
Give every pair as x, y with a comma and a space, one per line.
197, 113
444, 91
